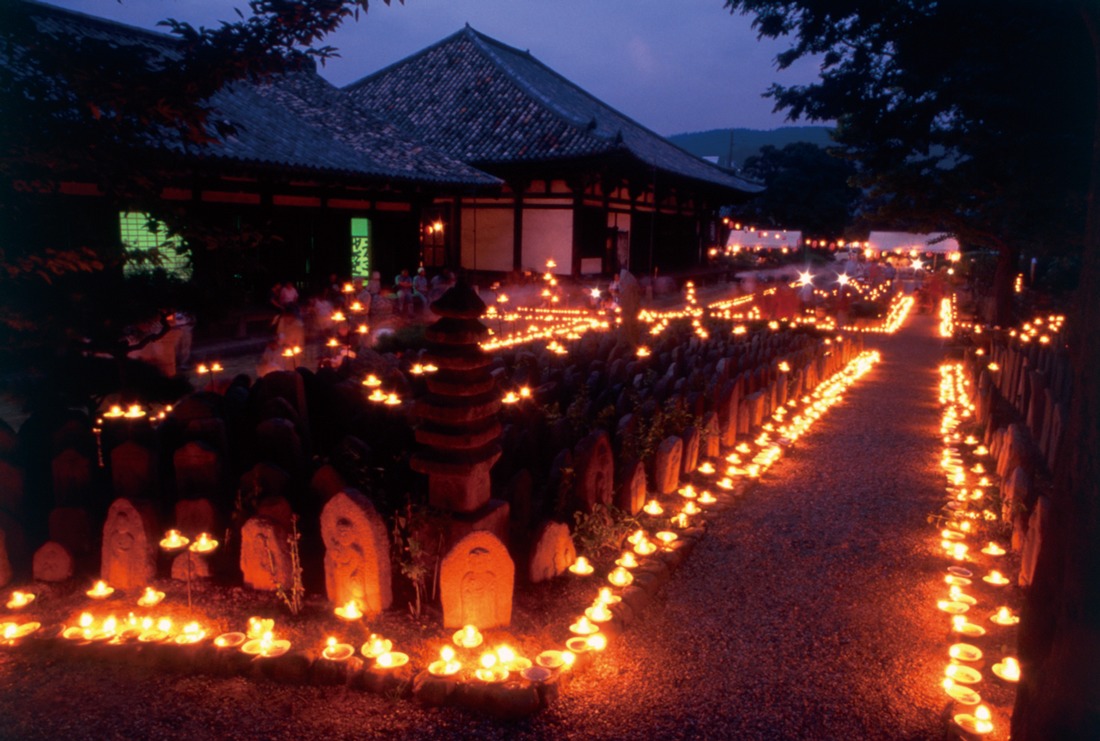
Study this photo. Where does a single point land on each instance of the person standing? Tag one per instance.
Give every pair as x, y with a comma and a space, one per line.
403, 285
420, 288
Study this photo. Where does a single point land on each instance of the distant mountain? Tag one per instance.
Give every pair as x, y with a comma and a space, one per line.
747, 142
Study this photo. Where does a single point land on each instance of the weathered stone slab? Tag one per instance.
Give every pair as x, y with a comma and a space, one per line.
690, 458
476, 581
133, 471
1015, 489
52, 563
72, 473
594, 471
357, 553
191, 566
666, 465
632, 492
711, 440
130, 540
194, 516
277, 441
325, 483
1033, 541
198, 470
265, 555
72, 528
552, 553
264, 480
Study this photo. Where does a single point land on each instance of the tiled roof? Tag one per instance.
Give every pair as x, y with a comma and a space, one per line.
489, 104
303, 121
296, 121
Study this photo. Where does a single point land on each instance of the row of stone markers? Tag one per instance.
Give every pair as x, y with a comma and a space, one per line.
977, 597
494, 679
602, 422
1023, 384
178, 470
728, 386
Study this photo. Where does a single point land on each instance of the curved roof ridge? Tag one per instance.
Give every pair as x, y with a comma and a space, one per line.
418, 53
606, 124
485, 43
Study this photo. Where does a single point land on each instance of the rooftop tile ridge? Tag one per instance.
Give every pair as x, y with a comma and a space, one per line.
32, 7
404, 60
615, 136
489, 46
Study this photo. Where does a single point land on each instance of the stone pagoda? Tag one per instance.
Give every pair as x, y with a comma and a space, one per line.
458, 429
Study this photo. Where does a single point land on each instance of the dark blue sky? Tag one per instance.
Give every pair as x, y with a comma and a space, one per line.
672, 65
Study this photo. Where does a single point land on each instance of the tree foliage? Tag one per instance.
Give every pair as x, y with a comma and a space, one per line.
89, 108
968, 117
984, 118
806, 188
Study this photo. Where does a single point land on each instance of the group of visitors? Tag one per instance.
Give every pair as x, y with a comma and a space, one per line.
336, 318
417, 292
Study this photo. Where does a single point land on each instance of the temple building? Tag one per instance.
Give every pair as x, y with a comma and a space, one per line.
585, 186
469, 154
299, 181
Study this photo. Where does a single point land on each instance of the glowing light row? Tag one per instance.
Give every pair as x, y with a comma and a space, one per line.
749, 459
896, 314
947, 316
967, 482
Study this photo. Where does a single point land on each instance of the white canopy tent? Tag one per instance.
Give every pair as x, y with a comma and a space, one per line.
940, 243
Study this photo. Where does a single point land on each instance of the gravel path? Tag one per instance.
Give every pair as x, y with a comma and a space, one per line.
806, 613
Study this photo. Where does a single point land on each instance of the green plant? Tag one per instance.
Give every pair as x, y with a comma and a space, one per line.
293, 595
649, 431
602, 529
410, 554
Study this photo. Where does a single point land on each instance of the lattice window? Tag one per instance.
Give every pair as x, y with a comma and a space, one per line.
360, 247
149, 246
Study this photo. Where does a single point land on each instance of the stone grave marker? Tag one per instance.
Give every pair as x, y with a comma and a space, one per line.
265, 555
277, 441
264, 480
594, 471
52, 563
666, 465
552, 553
133, 471
476, 581
520, 495
357, 553
632, 491
710, 436
1033, 541
129, 545
196, 563
72, 473
198, 471
276, 508
194, 516
690, 459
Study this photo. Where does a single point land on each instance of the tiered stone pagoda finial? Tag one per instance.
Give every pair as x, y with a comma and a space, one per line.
458, 426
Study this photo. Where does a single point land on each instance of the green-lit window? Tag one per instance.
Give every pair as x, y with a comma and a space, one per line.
148, 246
360, 247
